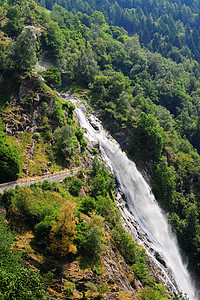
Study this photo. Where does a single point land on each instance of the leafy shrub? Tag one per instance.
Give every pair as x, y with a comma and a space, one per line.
16, 281
88, 204
46, 185
149, 136
91, 286
90, 244
103, 182
41, 233
155, 292
75, 186
69, 287
65, 142
48, 278
10, 163
21, 284
52, 76
90, 240
7, 197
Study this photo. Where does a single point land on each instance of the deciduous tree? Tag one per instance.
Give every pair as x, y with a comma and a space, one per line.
63, 231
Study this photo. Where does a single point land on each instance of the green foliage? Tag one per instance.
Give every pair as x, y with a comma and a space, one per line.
52, 76
58, 112
80, 137
149, 136
28, 206
165, 183
7, 197
103, 182
69, 287
53, 39
21, 284
75, 186
90, 244
85, 68
131, 252
10, 163
48, 278
16, 281
23, 51
88, 205
14, 24
6, 240
125, 243
65, 143
41, 233
156, 292
90, 240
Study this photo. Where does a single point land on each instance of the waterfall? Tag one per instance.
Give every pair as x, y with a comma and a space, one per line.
142, 205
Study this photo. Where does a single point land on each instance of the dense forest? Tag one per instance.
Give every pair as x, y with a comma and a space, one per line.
138, 65
168, 27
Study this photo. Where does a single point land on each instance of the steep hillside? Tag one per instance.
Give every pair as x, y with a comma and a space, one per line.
148, 102
168, 27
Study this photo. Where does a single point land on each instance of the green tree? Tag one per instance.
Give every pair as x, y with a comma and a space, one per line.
10, 163
41, 233
75, 186
53, 39
23, 51
86, 68
164, 183
98, 18
90, 240
149, 137
14, 24
65, 142
52, 76
88, 205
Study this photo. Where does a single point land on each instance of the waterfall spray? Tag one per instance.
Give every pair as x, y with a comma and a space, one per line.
143, 206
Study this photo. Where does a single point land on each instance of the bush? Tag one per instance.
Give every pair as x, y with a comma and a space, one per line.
65, 143
88, 205
22, 284
10, 163
69, 287
90, 240
41, 232
16, 281
90, 244
7, 198
52, 76
75, 186
155, 292
37, 136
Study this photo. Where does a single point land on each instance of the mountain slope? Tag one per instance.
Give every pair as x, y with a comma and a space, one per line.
150, 103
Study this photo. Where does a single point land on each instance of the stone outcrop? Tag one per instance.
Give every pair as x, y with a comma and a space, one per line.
27, 110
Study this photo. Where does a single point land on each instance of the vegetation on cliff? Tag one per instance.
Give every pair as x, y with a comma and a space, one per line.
150, 100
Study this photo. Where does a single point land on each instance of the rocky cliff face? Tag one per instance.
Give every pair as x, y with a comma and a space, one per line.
29, 107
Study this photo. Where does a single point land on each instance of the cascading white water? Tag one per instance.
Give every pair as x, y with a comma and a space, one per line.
143, 206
